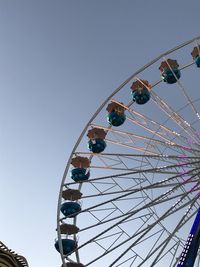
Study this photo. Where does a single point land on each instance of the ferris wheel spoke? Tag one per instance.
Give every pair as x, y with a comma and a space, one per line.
150, 204
154, 185
161, 156
160, 252
122, 161
165, 243
184, 91
183, 220
122, 144
144, 221
113, 203
151, 126
165, 184
173, 252
182, 246
169, 212
156, 252
141, 217
160, 199
160, 169
116, 161
180, 161
127, 138
102, 219
120, 210
168, 168
159, 233
183, 195
131, 189
151, 252
128, 215
119, 235
128, 134
142, 233
174, 255
133, 259
152, 170
187, 128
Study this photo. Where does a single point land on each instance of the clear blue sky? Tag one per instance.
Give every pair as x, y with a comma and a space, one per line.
59, 59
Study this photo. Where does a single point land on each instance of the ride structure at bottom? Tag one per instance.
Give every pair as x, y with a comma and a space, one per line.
9, 258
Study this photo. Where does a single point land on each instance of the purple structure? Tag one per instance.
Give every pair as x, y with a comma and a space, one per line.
191, 247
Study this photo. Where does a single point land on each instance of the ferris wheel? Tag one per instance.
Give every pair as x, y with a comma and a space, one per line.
130, 191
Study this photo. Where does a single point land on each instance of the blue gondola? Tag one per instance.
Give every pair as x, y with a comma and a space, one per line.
96, 145
171, 75
69, 209
141, 95
197, 61
196, 55
80, 174
69, 245
116, 119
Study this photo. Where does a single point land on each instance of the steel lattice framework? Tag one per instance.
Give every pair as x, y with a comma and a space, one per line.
142, 196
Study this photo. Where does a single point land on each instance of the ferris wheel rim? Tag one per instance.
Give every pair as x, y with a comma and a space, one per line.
89, 123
